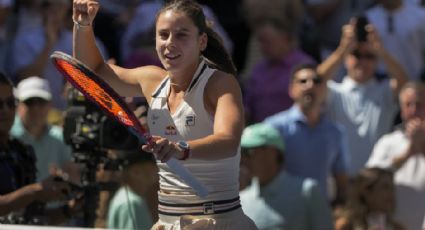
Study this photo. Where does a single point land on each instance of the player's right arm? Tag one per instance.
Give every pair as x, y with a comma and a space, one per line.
127, 82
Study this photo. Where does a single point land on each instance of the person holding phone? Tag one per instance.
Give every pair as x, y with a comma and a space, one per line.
363, 103
195, 112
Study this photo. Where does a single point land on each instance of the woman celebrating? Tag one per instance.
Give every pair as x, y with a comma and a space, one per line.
195, 112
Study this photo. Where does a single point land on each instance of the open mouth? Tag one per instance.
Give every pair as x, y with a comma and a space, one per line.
172, 56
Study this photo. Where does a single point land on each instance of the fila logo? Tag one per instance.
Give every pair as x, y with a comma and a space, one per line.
190, 120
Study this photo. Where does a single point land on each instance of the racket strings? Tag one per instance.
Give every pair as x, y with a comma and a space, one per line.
96, 92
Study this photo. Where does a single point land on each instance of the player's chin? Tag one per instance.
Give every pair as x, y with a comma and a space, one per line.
169, 66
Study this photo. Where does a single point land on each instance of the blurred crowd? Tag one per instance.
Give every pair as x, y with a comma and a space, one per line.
334, 101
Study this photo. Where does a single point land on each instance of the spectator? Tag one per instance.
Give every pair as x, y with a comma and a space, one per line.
30, 53
403, 151
364, 104
326, 153
130, 207
289, 11
20, 195
371, 202
31, 127
276, 199
28, 14
329, 16
266, 91
400, 25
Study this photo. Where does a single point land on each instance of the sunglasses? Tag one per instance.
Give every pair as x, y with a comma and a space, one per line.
9, 102
35, 101
316, 80
359, 55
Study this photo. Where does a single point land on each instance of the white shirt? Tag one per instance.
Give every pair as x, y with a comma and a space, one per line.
365, 110
409, 178
191, 121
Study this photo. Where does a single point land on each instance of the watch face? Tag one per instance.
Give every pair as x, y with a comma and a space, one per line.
183, 144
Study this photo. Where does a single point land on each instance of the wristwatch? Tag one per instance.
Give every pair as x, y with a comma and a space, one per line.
186, 149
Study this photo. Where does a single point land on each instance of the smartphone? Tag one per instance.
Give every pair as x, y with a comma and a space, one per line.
361, 32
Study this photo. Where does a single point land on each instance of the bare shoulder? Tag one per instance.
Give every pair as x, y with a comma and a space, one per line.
224, 86
148, 77
221, 82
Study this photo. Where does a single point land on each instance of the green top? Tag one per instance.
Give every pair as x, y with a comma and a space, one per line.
127, 210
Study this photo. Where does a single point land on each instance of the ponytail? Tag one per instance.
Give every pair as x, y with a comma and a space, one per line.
216, 53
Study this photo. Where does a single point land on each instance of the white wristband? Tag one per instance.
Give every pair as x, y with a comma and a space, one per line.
79, 25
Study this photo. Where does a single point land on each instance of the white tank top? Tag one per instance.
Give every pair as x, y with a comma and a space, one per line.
191, 121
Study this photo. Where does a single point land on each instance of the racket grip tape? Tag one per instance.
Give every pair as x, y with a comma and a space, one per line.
177, 167
185, 175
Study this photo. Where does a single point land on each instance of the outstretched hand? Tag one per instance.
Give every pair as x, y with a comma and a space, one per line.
84, 11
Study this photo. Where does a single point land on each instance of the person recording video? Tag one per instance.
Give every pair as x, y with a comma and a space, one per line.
364, 103
21, 198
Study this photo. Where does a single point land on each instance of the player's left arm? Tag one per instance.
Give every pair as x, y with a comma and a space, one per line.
223, 100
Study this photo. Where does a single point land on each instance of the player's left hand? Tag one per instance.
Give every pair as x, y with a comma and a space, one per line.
163, 149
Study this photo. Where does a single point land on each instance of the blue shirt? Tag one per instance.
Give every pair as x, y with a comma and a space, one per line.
315, 152
288, 202
49, 148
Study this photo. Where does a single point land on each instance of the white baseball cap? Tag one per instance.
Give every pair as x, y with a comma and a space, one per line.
33, 87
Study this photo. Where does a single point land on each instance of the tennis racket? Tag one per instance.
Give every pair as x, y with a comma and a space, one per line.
98, 91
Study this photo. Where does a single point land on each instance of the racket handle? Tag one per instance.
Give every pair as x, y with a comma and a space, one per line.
179, 169
185, 175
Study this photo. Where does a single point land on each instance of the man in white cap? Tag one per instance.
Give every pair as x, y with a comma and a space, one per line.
31, 127
276, 199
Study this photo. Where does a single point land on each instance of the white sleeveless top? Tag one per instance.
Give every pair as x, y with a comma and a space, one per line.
191, 121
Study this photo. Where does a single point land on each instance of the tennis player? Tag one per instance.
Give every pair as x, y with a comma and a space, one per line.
195, 112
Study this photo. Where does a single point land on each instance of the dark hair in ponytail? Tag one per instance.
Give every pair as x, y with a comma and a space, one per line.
215, 51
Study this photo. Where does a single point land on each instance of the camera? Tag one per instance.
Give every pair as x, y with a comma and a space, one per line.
91, 134
361, 24
87, 128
